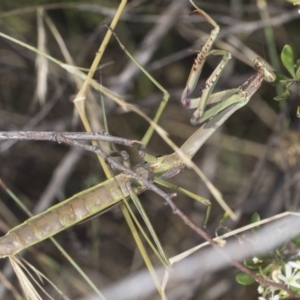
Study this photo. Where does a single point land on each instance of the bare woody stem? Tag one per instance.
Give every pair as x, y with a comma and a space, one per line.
51, 136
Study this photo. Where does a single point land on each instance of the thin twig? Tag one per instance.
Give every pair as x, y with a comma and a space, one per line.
51, 136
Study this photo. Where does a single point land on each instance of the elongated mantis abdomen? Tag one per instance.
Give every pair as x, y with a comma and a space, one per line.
64, 215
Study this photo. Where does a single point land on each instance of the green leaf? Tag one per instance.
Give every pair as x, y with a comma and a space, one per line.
287, 82
267, 269
249, 263
255, 218
298, 63
287, 58
244, 279
283, 96
280, 77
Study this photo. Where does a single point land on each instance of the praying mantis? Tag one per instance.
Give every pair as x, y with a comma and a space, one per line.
108, 193
154, 169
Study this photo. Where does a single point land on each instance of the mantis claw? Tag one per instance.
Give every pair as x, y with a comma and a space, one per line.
220, 101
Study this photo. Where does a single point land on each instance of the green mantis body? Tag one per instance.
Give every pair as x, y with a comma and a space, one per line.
114, 190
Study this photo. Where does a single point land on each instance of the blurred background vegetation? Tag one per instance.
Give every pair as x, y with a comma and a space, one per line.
253, 160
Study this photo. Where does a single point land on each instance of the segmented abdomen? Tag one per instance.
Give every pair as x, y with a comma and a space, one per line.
63, 215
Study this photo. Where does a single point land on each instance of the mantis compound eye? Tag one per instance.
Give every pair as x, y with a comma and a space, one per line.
261, 67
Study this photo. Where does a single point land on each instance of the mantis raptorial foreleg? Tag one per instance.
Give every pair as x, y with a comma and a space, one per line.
221, 100
227, 103
201, 102
231, 99
196, 70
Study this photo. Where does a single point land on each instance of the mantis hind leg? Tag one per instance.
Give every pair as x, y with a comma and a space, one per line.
188, 193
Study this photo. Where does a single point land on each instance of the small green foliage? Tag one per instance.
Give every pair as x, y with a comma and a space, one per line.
276, 266
287, 58
244, 279
283, 96
255, 218
280, 77
253, 264
266, 270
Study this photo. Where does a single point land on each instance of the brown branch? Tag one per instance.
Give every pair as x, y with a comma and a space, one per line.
51, 136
